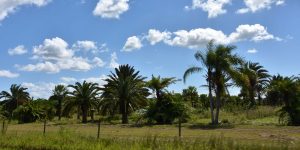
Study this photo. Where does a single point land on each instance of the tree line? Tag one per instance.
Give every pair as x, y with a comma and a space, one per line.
126, 91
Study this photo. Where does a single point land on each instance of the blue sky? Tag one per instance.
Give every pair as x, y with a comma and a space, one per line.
48, 42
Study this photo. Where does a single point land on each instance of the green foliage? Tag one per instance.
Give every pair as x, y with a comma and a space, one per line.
125, 90
34, 110
287, 91
84, 97
58, 97
252, 79
190, 95
167, 110
158, 85
16, 97
220, 65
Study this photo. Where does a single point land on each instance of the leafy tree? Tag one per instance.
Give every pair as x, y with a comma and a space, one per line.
126, 90
191, 95
84, 96
273, 97
204, 101
17, 96
167, 110
34, 110
254, 81
58, 96
287, 90
220, 64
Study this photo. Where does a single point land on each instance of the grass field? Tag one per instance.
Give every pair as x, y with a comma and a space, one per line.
251, 130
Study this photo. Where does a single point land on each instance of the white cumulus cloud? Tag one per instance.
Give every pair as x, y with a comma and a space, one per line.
111, 8
85, 45
132, 43
55, 55
214, 8
39, 90
19, 50
155, 36
8, 74
53, 49
257, 5
198, 38
254, 32
10, 6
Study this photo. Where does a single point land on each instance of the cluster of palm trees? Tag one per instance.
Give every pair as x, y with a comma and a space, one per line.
223, 69
126, 90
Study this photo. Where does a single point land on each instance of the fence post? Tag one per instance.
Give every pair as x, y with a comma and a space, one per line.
98, 135
45, 122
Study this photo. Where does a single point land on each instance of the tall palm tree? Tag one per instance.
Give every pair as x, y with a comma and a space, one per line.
58, 96
124, 89
158, 85
17, 96
220, 64
225, 65
84, 96
190, 94
255, 79
206, 60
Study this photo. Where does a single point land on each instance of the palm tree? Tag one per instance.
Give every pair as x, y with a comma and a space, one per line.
225, 65
17, 96
158, 85
287, 91
220, 64
190, 94
206, 61
84, 96
124, 89
58, 96
255, 79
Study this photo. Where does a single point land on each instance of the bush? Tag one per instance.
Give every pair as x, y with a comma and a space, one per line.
167, 110
33, 111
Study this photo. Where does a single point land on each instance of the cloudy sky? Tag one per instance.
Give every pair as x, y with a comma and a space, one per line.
48, 42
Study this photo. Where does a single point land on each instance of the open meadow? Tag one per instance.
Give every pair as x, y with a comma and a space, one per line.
260, 132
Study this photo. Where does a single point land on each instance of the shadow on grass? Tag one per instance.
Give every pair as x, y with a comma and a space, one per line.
211, 127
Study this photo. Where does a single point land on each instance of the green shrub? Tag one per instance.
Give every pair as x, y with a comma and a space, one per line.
167, 110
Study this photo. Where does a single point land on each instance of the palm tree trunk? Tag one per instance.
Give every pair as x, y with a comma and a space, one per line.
123, 111
158, 96
78, 112
211, 102
84, 109
252, 99
218, 105
59, 109
219, 87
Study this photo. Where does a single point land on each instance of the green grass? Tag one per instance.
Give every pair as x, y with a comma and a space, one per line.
70, 140
255, 129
